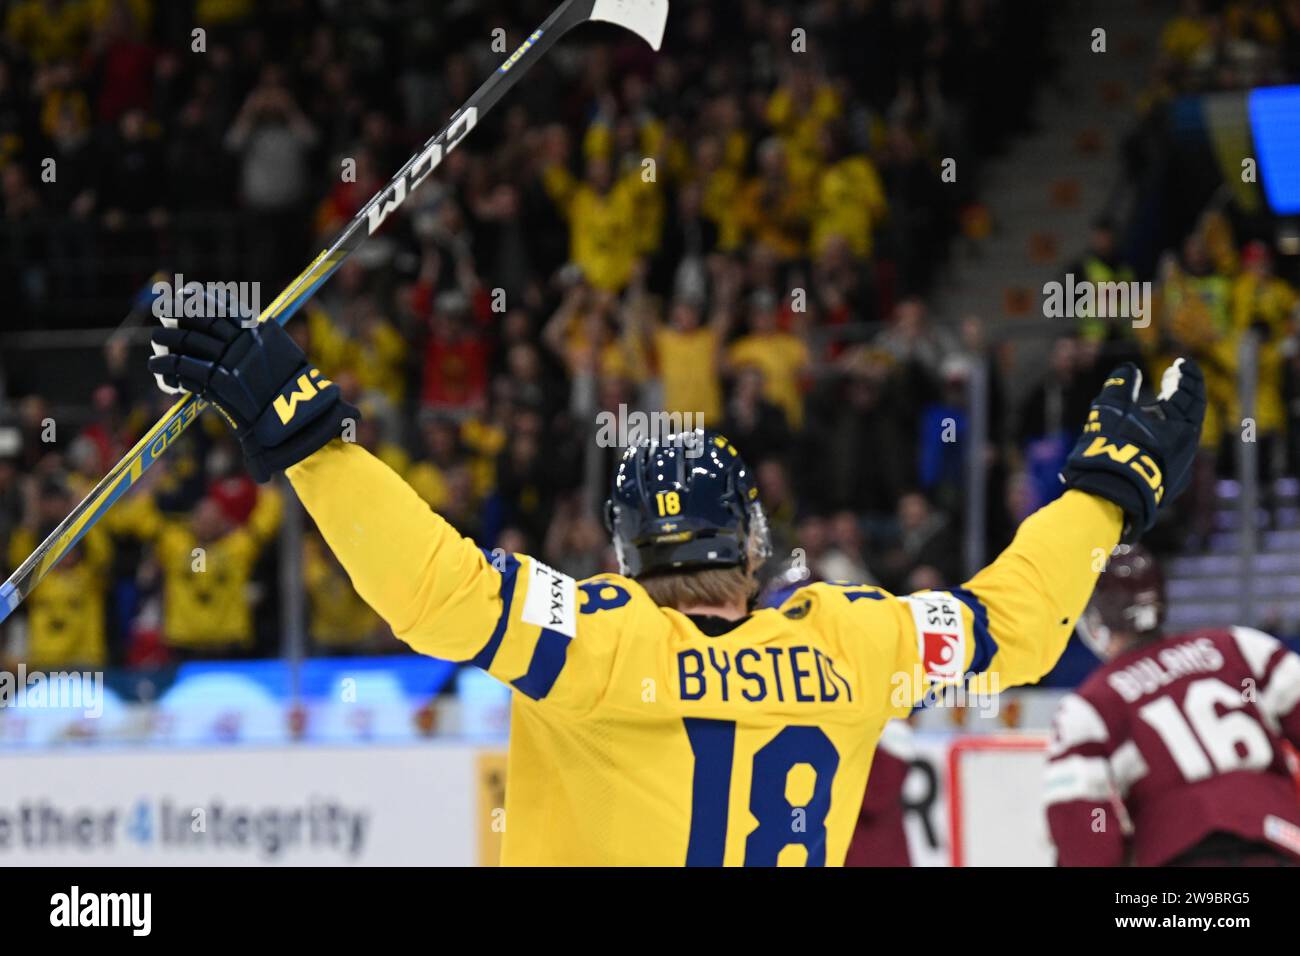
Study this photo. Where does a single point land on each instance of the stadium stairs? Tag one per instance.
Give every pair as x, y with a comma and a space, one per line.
1206, 589
1046, 190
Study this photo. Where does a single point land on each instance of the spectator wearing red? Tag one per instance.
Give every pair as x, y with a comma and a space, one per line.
456, 357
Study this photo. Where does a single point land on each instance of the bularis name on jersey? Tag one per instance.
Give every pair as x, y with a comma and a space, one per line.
1151, 674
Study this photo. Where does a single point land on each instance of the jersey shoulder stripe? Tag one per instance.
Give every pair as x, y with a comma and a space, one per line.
986, 645
945, 622
542, 623
549, 657
556, 638
508, 568
550, 605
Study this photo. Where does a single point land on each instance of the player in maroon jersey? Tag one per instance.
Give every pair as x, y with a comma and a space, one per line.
1173, 752
879, 838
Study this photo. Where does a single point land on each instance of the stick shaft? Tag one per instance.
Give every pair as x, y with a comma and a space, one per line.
372, 216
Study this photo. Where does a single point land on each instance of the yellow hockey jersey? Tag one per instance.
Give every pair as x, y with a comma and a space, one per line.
639, 739
65, 615
205, 587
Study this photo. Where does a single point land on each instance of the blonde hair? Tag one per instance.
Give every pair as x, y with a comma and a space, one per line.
705, 587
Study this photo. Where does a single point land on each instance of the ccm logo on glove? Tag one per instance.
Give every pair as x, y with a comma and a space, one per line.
308, 387
1128, 450
1129, 455
281, 407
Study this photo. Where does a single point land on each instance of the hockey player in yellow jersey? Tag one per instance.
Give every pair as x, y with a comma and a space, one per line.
656, 719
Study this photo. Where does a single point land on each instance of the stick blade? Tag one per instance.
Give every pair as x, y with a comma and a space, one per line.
646, 18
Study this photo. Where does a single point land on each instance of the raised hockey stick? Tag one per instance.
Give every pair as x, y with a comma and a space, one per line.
645, 18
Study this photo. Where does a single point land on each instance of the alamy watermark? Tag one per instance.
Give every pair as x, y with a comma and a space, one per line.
980, 692
229, 300
64, 690
133, 911
623, 429
1085, 299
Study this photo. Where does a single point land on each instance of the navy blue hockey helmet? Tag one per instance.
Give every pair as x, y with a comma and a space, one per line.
686, 502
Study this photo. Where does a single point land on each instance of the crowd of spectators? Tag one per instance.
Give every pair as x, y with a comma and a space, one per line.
743, 229
1210, 294
1228, 45
1208, 244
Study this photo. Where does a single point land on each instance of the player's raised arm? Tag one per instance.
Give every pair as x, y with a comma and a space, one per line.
435, 588
1130, 461
437, 591
1013, 619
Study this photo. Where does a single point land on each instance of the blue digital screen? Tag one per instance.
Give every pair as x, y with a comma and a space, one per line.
1275, 123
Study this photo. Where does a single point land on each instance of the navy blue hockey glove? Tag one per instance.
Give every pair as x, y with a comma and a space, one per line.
1140, 456
281, 408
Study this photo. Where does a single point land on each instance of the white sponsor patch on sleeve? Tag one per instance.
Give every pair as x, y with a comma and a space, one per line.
551, 601
940, 635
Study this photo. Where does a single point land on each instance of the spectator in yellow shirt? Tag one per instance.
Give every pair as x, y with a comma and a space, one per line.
582, 335
604, 238
1189, 37
1186, 311
799, 110
141, 11
1253, 23
775, 212
363, 341
720, 186
430, 476
207, 566
49, 30
726, 117
65, 111
851, 200
782, 357
687, 356
220, 13
65, 615
484, 434
1267, 305
636, 151
339, 621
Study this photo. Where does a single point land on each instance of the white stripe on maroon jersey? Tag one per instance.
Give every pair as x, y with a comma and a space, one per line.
1078, 778
1281, 694
1128, 766
1256, 646
1279, 687
1076, 723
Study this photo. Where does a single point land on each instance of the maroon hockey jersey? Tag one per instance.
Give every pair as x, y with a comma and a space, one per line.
1173, 741
880, 838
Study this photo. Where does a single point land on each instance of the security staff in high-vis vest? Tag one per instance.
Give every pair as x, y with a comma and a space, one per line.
1100, 266
656, 719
